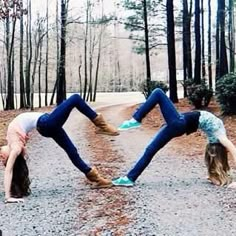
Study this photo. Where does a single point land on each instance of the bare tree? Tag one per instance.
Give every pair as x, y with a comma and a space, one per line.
231, 32
10, 11
46, 60
38, 38
147, 50
57, 56
197, 67
171, 50
85, 49
203, 42
28, 53
61, 85
209, 45
21, 66
217, 42
223, 61
39, 74
187, 53
91, 52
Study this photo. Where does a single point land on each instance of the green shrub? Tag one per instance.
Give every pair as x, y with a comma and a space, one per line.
153, 85
198, 94
226, 93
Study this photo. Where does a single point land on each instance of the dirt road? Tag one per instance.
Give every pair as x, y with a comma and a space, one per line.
171, 198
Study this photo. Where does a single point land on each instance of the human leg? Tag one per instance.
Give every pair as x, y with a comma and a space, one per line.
168, 109
59, 116
63, 140
61, 113
92, 174
164, 135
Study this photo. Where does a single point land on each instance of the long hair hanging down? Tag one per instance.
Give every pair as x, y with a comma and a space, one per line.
216, 160
20, 185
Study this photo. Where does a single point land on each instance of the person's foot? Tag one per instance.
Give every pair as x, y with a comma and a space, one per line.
129, 124
102, 127
97, 180
123, 181
232, 185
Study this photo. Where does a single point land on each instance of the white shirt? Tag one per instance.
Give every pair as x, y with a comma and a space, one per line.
27, 120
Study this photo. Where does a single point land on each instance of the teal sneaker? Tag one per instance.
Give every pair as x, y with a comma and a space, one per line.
123, 181
129, 124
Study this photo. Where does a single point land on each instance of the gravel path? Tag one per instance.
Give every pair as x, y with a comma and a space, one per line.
171, 197
57, 188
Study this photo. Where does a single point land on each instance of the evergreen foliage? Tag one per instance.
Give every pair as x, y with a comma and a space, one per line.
198, 94
226, 93
152, 85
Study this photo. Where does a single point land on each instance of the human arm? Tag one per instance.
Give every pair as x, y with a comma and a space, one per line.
231, 148
14, 152
14, 200
228, 145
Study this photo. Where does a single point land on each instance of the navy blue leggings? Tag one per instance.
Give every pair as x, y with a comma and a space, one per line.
175, 126
50, 125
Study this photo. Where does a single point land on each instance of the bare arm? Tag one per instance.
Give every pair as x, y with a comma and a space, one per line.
231, 148
229, 145
9, 171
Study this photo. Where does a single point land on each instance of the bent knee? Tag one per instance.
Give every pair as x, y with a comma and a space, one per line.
75, 96
158, 90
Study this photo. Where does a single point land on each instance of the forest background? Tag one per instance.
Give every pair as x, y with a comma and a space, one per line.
50, 48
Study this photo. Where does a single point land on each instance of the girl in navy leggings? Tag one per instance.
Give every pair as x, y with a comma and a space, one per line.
176, 125
16, 181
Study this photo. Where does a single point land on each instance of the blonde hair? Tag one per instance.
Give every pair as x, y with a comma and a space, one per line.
216, 160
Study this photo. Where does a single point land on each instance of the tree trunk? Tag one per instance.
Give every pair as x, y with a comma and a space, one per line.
61, 87
98, 56
10, 84
187, 54
209, 45
197, 68
188, 39
38, 42
58, 57
46, 60
171, 51
148, 66
21, 66
223, 54
86, 51
39, 74
217, 75
80, 79
28, 55
184, 36
97, 70
91, 50
203, 44
231, 37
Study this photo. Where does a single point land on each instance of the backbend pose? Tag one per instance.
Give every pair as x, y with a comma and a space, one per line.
16, 180
176, 125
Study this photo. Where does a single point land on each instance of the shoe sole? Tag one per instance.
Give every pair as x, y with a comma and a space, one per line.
121, 129
100, 186
105, 133
122, 185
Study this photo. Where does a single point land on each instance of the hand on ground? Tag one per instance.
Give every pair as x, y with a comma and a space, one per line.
232, 185
14, 200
